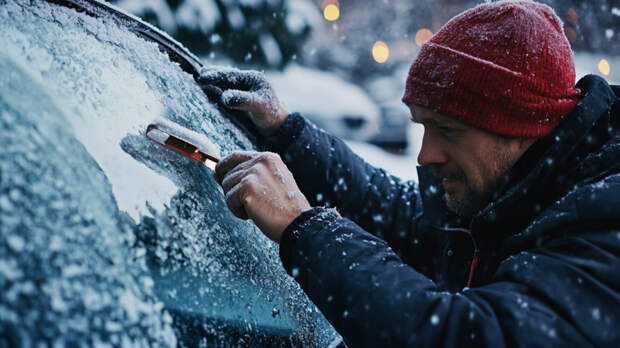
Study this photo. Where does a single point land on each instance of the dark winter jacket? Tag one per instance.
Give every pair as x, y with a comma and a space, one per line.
393, 270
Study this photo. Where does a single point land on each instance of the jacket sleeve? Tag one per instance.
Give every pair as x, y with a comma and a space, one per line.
331, 175
538, 298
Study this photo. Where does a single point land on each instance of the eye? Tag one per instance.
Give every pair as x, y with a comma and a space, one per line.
450, 134
446, 131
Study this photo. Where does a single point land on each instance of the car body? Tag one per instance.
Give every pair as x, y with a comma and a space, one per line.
106, 238
330, 102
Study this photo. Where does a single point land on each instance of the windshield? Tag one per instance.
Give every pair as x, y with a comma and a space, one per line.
101, 228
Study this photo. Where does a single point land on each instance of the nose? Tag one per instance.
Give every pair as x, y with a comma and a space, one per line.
431, 151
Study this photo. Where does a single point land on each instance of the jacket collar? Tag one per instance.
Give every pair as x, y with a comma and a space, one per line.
554, 164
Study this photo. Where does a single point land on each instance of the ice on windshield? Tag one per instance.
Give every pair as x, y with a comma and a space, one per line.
66, 273
87, 202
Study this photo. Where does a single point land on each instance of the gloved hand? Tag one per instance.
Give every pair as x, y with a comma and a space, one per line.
245, 90
259, 186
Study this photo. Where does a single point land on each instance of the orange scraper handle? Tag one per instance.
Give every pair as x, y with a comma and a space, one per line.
184, 147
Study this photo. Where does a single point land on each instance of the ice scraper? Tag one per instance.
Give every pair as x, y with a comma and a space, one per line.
184, 141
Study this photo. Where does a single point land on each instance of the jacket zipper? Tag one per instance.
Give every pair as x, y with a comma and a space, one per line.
472, 268
476, 257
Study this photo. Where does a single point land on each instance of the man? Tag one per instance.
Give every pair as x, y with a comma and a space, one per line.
513, 236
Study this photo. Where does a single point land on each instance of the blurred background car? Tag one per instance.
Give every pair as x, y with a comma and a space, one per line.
328, 101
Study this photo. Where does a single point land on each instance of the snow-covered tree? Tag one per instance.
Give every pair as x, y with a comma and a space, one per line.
252, 32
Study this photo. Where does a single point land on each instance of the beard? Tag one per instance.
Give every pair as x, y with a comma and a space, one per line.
466, 205
466, 197
465, 201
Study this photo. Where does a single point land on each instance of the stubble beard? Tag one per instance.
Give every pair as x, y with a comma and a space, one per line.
467, 205
475, 199
463, 202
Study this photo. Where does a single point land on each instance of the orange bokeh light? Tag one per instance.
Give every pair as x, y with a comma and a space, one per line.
604, 67
422, 36
571, 16
571, 34
380, 52
331, 12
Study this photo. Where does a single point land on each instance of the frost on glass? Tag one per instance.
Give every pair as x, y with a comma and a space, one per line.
67, 276
105, 236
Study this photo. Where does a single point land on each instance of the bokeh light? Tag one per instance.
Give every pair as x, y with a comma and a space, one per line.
571, 34
603, 67
422, 36
380, 52
331, 12
571, 16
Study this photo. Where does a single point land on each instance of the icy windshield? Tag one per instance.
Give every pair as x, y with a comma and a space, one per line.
106, 236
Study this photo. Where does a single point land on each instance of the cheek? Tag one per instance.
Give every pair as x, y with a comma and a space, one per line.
475, 174
484, 173
474, 164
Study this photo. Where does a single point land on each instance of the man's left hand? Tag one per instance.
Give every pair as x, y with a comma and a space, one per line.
259, 186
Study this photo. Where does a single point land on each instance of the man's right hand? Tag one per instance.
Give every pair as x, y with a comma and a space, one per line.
245, 90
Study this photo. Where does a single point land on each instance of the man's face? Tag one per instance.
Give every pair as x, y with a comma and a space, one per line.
470, 161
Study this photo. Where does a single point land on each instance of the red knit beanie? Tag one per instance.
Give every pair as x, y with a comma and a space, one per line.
503, 66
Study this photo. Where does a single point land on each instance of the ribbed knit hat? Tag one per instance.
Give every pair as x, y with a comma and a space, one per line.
503, 66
